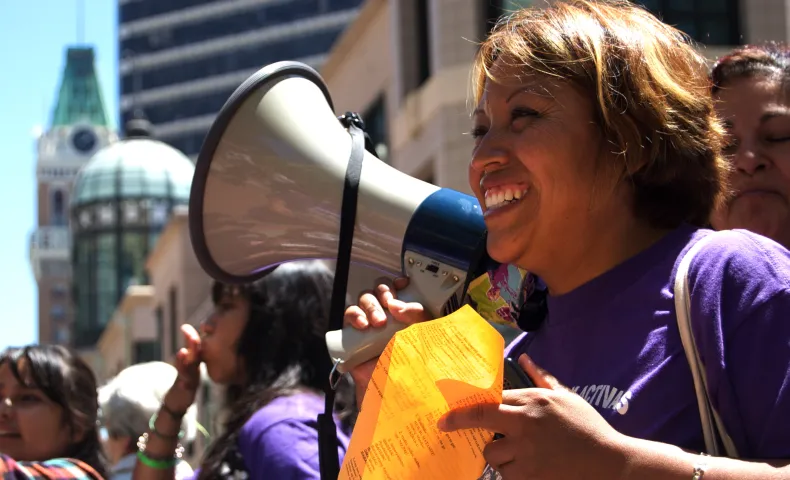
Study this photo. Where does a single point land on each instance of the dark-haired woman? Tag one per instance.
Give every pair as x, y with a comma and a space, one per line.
264, 342
750, 86
48, 415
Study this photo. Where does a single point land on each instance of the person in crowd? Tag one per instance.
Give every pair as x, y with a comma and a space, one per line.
127, 403
750, 86
48, 416
265, 342
597, 161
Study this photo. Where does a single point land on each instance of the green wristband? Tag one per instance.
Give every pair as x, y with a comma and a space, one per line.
157, 464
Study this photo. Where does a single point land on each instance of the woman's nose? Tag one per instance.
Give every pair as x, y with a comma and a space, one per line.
489, 153
5, 407
206, 326
749, 160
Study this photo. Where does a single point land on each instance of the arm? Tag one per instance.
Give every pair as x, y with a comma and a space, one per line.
740, 304
286, 449
658, 461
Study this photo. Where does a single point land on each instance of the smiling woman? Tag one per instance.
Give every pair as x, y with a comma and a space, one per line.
48, 415
601, 117
751, 89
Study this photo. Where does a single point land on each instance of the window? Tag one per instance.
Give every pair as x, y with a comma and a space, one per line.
423, 39
376, 126
106, 278
415, 45
160, 327
267, 15
133, 259
493, 9
58, 209
58, 291
62, 335
147, 351
57, 312
173, 321
714, 22
249, 57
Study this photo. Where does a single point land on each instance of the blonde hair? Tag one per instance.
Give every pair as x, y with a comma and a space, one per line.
651, 91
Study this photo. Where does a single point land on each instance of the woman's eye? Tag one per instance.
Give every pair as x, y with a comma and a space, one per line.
478, 132
518, 113
778, 139
26, 399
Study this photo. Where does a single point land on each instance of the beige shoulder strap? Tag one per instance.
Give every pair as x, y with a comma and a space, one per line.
711, 422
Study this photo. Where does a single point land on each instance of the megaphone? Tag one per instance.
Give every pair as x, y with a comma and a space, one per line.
268, 188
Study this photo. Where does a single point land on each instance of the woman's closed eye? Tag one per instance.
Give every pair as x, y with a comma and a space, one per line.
777, 138
516, 115
520, 112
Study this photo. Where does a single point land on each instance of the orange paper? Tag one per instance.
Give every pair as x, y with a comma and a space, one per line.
425, 371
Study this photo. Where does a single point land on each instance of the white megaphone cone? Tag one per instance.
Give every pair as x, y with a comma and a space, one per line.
268, 189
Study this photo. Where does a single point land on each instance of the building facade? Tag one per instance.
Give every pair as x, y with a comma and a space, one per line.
79, 127
180, 60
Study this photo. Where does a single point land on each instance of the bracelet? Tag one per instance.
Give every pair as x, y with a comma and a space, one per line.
700, 467
157, 463
152, 427
175, 415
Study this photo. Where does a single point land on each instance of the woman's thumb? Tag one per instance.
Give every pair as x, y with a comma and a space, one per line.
542, 378
408, 313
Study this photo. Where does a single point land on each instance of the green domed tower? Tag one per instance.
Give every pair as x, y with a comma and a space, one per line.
121, 201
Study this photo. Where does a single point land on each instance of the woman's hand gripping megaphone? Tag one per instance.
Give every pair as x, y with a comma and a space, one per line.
371, 312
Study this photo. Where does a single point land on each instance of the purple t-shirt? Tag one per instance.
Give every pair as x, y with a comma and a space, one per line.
615, 342
281, 439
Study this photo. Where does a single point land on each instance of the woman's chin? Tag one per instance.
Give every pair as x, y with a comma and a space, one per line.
502, 251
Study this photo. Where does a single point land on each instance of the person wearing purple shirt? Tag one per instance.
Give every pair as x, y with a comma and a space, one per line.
265, 343
597, 162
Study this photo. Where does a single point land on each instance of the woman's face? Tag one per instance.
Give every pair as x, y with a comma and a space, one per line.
31, 425
220, 335
756, 112
535, 172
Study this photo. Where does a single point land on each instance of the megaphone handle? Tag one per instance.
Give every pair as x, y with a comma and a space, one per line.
351, 347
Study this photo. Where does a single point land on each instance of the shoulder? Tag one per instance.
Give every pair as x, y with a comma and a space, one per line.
739, 303
738, 271
281, 439
737, 252
55, 469
297, 408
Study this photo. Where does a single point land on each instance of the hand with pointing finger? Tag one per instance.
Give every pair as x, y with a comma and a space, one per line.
370, 312
183, 392
549, 432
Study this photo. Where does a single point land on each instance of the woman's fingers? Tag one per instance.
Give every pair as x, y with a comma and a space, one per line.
373, 310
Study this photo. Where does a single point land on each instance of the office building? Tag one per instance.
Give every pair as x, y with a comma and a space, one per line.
180, 60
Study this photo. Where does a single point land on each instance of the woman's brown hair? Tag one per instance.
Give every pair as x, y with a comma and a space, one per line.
651, 91
771, 59
69, 382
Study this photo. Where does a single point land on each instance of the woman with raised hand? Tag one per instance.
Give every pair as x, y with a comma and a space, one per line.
265, 344
597, 162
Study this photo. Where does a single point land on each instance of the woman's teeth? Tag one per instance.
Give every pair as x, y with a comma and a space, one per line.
500, 197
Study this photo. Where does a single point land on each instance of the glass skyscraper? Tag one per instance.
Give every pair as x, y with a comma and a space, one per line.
180, 60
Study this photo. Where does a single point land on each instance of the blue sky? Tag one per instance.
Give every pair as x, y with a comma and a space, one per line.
34, 35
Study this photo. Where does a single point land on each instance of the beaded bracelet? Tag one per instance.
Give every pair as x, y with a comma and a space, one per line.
157, 463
